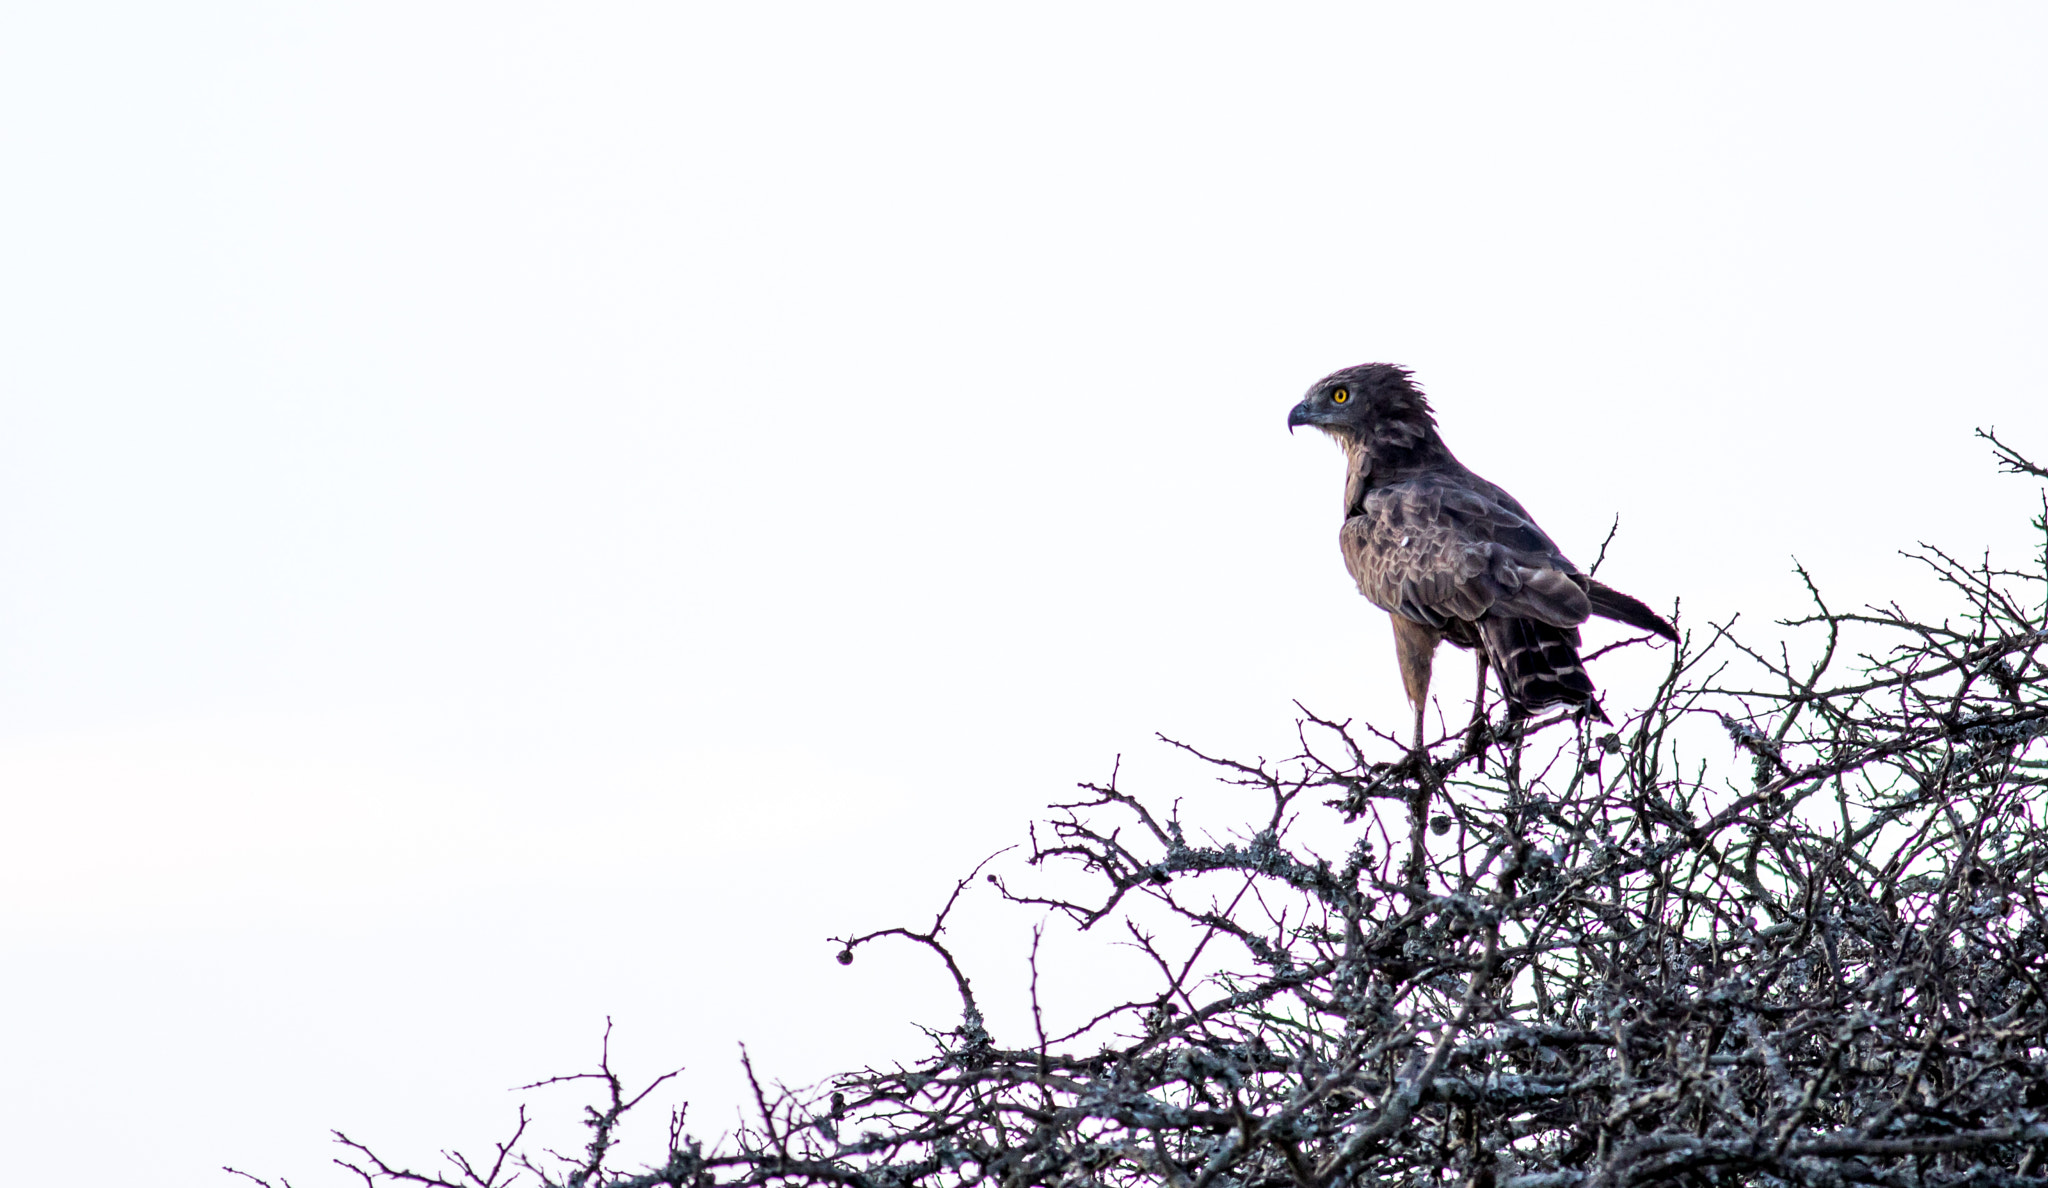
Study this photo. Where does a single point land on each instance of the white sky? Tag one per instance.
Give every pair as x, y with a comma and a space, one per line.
512, 515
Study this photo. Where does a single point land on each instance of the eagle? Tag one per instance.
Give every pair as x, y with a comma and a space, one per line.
1450, 556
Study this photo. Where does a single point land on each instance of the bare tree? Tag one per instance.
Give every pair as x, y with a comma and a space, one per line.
1578, 957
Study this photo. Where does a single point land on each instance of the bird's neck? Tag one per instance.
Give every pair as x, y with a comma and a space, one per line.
1379, 459
1357, 458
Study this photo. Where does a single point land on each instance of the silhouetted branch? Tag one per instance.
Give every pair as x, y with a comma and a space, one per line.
1611, 958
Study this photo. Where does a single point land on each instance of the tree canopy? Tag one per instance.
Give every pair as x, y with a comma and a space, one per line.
1580, 956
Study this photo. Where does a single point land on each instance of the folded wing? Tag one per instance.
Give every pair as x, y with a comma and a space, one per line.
1443, 554
1464, 560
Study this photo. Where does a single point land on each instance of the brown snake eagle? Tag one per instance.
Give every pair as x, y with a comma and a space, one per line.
1450, 556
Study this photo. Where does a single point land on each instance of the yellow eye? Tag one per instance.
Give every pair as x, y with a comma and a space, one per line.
1340, 396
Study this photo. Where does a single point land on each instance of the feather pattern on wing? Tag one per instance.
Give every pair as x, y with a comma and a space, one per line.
1434, 550
1454, 553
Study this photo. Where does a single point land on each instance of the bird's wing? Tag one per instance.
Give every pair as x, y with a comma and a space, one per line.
1610, 603
1435, 550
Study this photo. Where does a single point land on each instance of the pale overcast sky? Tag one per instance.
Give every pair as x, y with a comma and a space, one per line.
511, 515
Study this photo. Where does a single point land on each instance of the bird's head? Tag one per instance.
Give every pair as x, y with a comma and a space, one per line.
1376, 403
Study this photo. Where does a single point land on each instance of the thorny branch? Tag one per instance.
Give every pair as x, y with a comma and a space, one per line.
1619, 968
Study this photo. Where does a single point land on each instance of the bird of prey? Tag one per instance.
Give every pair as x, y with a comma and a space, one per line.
1450, 556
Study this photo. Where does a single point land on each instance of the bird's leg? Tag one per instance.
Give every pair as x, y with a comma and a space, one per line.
1426, 780
1415, 649
1475, 734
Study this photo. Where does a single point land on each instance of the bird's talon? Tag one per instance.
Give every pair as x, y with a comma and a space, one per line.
1476, 737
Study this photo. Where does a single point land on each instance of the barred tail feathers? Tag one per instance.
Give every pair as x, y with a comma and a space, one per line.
1538, 665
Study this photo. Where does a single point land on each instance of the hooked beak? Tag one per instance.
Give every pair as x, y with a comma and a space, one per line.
1299, 416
